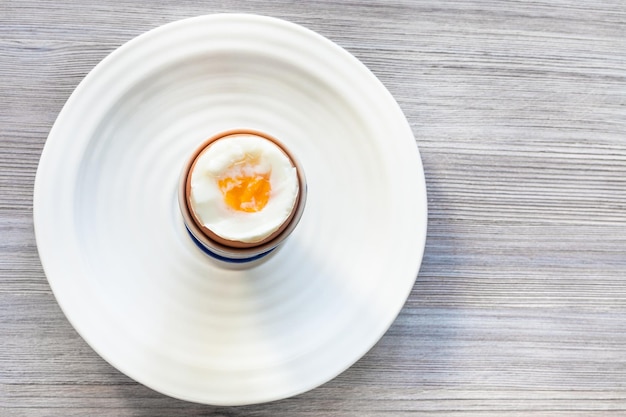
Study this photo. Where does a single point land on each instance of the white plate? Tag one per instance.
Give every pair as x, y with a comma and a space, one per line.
129, 278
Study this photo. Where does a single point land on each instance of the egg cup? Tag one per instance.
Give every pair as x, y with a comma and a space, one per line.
230, 250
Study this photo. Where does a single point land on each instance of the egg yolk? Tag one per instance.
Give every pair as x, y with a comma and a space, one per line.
246, 191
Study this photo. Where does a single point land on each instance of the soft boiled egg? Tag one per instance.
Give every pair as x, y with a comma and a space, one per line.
243, 188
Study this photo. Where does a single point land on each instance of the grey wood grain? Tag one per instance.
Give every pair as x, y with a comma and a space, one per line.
519, 110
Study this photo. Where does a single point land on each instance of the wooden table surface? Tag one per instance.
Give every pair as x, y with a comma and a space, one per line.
519, 111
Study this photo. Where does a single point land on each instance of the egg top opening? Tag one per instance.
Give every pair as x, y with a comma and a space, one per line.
243, 188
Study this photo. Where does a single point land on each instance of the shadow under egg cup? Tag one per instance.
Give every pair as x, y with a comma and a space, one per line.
235, 251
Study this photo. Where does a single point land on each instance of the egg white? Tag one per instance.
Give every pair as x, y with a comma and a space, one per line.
207, 201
